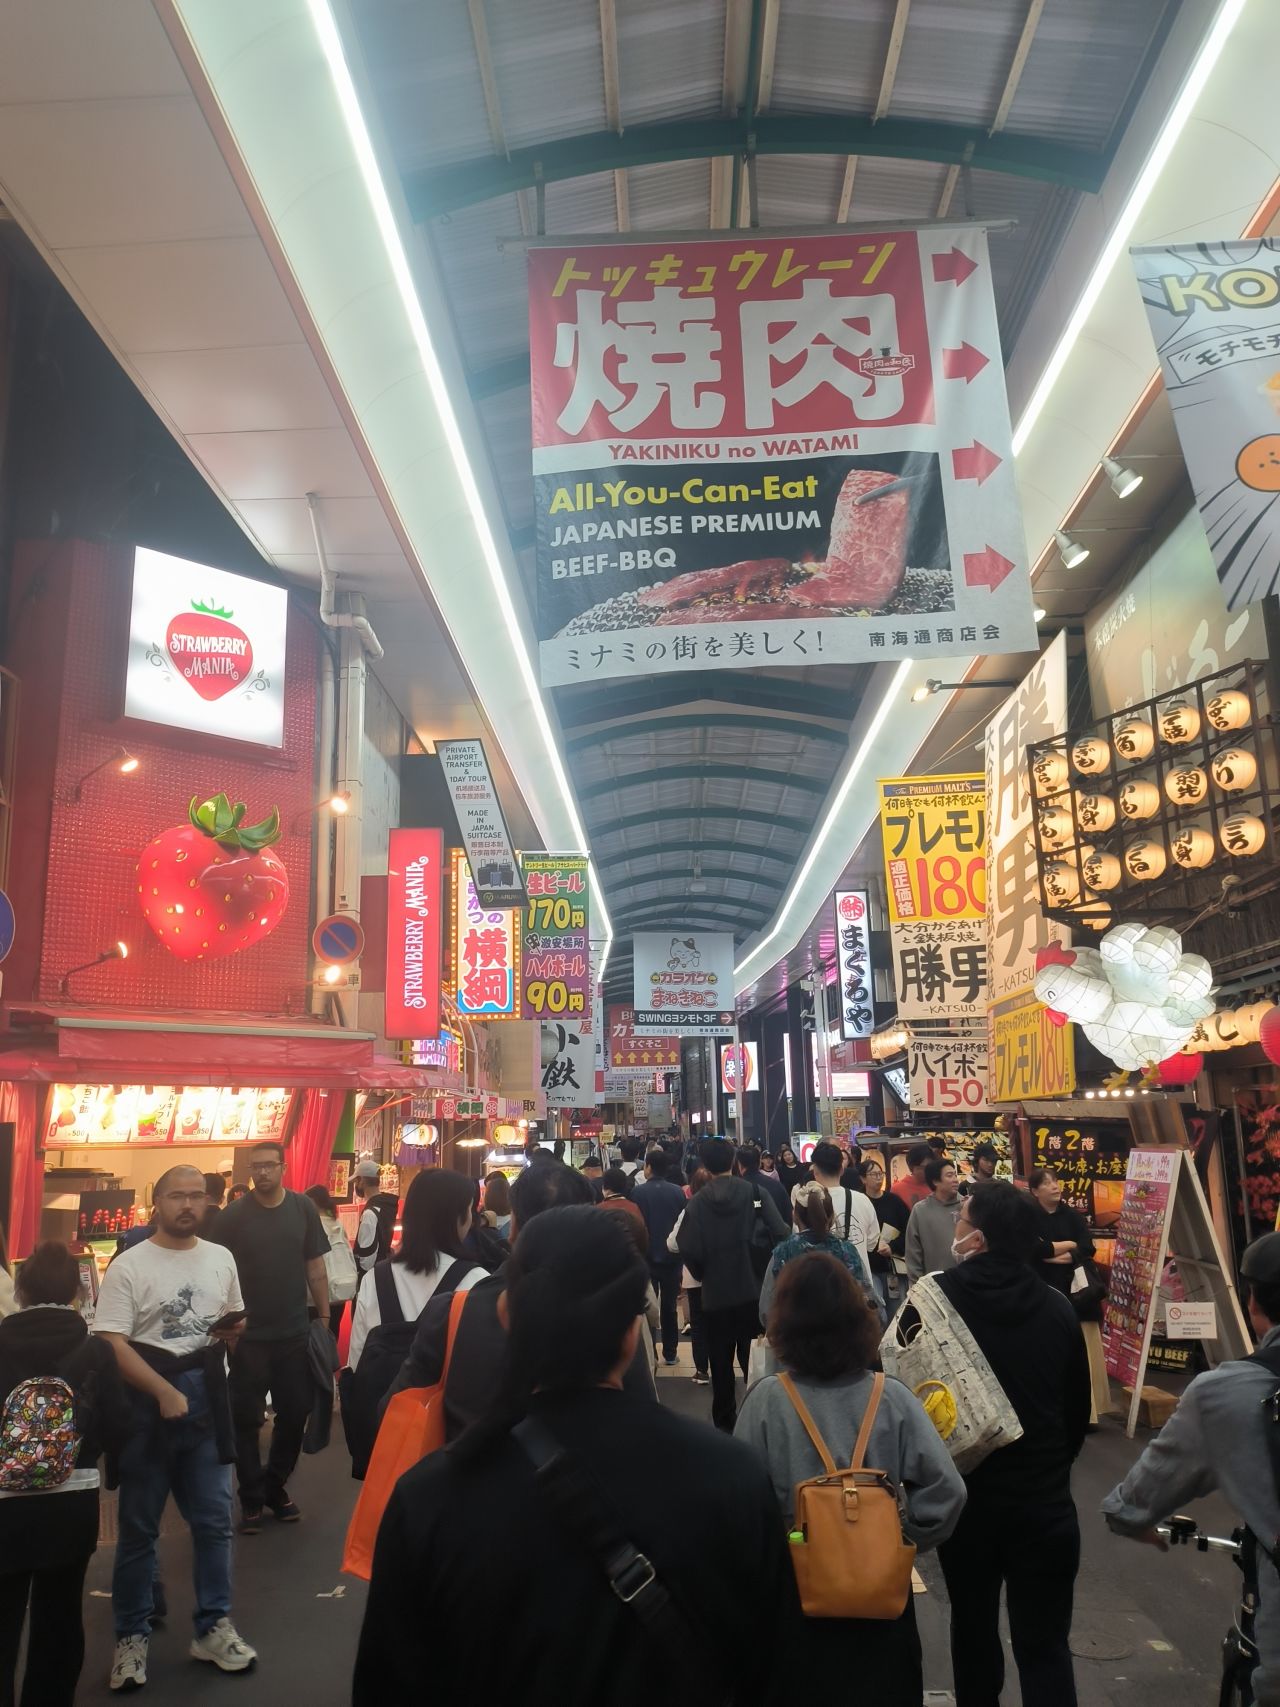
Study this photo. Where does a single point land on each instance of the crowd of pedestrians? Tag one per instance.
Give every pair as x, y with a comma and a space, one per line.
539, 1311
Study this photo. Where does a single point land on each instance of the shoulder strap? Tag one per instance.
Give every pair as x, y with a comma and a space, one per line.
452, 1276
868, 1419
848, 1211
455, 1317
390, 1310
810, 1427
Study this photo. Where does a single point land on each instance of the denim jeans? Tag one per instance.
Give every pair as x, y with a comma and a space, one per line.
187, 1467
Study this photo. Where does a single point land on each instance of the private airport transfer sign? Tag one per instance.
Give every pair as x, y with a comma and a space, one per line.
761, 449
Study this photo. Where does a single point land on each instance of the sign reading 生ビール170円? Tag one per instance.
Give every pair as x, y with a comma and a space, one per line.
761, 449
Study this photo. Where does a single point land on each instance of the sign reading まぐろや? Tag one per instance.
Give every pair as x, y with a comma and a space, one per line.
683, 979
414, 889
766, 450
206, 650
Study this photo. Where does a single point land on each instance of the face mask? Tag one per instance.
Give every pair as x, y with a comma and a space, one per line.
956, 1251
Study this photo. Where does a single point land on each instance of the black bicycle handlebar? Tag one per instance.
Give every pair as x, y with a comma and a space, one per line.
1186, 1532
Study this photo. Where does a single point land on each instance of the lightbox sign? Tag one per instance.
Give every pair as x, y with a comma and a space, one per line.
486, 950
415, 859
206, 650
494, 867
729, 1067
853, 954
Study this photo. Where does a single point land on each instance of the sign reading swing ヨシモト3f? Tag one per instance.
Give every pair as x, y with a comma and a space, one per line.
765, 449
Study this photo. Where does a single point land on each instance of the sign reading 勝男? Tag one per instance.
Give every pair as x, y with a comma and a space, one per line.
759, 449
415, 860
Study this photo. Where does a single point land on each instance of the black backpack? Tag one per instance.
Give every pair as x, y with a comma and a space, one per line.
361, 1390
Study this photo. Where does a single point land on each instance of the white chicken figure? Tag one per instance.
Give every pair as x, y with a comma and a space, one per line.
1137, 997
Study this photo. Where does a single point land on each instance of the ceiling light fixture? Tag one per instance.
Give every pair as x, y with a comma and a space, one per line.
1118, 239
117, 951
1039, 613
932, 687
122, 760
1123, 480
330, 40
1071, 550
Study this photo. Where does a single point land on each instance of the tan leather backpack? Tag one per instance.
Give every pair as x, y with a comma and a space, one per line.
853, 1561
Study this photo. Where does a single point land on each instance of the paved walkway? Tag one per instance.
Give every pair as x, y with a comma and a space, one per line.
1147, 1625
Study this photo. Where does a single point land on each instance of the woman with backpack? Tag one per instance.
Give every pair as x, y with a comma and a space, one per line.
61, 1405
340, 1263
437, 1219
815, 1231
824, 1331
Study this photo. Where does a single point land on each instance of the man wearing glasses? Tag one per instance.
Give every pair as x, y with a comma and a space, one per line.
279, 1245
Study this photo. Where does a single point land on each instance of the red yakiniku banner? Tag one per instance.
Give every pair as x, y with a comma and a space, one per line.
771, 450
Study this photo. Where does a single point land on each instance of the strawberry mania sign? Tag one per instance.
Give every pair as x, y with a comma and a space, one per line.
769, 450
206, 650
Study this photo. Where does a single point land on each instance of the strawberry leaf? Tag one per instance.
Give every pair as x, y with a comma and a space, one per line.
212, 608
218, 818
258, 836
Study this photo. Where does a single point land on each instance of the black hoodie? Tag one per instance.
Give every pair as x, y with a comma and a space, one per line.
715, 1239
45, 1340
1031, 1338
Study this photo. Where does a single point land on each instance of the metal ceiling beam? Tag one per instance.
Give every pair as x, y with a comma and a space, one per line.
707, 720
679, 907
893, 53
846, 189
759, 880
768, 54
702, 771
613, 104
499, 376
948, 190
651, 850
489, 89
1030, 25
692, 814
439, 190
579, 707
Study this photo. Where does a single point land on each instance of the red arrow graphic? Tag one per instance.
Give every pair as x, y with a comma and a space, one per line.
974, 462
985, 568
963, 363
954, 265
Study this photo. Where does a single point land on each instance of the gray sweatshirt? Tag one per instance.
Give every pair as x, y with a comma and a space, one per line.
904, 1443
930, 1231
1216, 1439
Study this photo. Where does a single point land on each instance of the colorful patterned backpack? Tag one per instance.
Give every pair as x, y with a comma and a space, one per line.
39, 1442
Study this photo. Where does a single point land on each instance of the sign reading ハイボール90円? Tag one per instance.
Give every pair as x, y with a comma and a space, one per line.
766, 449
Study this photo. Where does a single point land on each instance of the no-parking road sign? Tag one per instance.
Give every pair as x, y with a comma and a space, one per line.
338, 940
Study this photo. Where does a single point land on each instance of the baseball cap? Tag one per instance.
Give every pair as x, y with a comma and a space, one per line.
366, 1170
1261, 1261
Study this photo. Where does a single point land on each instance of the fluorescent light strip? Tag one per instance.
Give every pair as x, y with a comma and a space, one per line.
344, 86
1174, 124
833, 811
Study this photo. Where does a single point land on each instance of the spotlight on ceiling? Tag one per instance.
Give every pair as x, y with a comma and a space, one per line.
1071, 551
1123, 480
1039, 613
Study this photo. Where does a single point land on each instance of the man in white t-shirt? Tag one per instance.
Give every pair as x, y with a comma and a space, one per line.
855, 1214
160, 1308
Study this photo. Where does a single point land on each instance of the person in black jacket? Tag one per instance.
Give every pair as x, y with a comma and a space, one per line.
747, 1167
1065, 1240
47, 1538
698, 1510
727, 1236
1019, 1528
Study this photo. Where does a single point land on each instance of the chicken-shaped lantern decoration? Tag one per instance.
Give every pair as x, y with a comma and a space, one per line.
1137, 997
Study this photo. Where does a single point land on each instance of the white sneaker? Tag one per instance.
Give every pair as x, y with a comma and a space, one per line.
224, 1647
129, 1667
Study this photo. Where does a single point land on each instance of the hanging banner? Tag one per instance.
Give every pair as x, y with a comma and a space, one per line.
1214, 310
948, 1075
940, 970
486, 950
415, 861
729, 1057
557, 938
569, 1063
632, 1052
853, 959
838, 400
683, 981
1029, 1057
485, 836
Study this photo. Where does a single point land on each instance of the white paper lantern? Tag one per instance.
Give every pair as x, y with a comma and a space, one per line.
1135, 740
1234, 769
1102, 870
1049, 773
1193, 849
1091, 755
1099, 917
1139, 800
1229, 709
1242, 834
1062, 883
1186, 787
1057, 827
1095, 811
1145, 860
1179, 723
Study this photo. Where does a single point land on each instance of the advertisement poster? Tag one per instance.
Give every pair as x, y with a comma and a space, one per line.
683, 981
729, 1053
1028, 1056
758, 447
557, 940
948, 1075
415, 860
197, 1112
485, 949
236, 1109
153, 1113
1089, 1160
853, 963
206, 650
633, 1052
1139, 1258
1214, 310
569, 1063
494, 868
934, 831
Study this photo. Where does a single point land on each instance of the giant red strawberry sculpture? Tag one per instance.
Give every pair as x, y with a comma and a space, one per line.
212, 887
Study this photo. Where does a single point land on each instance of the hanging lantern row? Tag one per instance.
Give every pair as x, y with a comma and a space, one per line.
1142, 805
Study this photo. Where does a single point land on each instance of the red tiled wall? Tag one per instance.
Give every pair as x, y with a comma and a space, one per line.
69, 628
